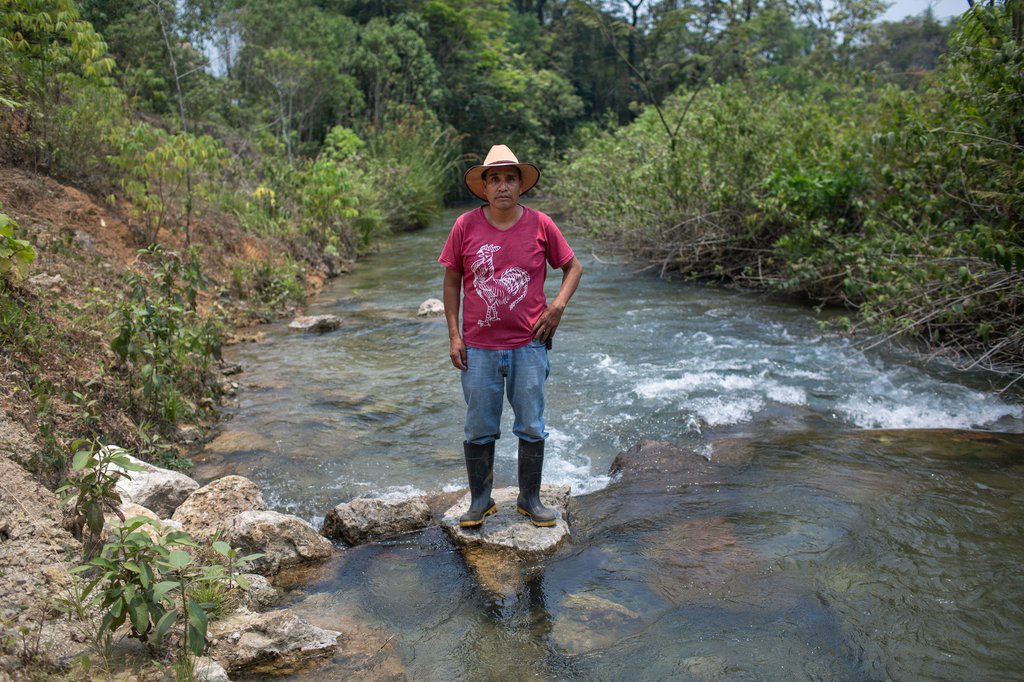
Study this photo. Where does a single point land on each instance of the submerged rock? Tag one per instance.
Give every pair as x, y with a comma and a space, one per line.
315, 323
588, 622
230, 442
368, 519
510, 530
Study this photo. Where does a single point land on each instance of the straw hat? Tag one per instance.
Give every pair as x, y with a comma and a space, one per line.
500, 156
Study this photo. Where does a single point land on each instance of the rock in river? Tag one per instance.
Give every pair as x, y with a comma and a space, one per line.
510, 530
315, 323
368, 519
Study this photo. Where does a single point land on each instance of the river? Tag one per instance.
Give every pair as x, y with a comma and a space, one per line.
872, 531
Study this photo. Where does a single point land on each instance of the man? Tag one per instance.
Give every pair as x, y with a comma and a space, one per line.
496, 256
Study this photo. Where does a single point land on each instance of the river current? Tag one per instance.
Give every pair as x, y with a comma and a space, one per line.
873, 531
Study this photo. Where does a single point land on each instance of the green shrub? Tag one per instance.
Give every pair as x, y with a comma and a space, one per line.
340, 206
170, 346
163, 175
269, 287
91, 491
15, 254
414, 160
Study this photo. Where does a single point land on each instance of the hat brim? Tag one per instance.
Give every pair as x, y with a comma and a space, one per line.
474, 177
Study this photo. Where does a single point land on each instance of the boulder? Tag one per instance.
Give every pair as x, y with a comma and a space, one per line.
431, 307
315, 323
272, 643
210, 508
283, 539
510, 530
366, 519
160, 490
260, 595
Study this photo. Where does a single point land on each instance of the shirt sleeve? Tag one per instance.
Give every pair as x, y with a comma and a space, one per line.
451, 253
559, 251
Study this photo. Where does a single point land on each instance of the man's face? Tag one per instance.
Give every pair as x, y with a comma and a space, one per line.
502, 187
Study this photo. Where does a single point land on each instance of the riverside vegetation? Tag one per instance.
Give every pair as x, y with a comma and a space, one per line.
238, 153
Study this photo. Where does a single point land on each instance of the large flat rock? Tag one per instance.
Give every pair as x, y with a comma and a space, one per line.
509, 530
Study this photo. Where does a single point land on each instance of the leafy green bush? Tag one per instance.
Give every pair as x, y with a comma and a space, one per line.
340, 206
15, 254
163, 175
414, 160
269, 287
95, 472
685, 195
170, 346
150, 580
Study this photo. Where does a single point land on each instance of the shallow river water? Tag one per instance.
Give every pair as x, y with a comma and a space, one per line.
863, 519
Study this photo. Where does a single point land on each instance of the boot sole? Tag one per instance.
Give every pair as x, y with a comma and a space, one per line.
474, 524
539, 524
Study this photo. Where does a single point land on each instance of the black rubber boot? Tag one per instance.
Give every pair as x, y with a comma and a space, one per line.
480, 468
531, 462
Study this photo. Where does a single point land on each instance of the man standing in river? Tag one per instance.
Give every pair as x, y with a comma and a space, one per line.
496, 260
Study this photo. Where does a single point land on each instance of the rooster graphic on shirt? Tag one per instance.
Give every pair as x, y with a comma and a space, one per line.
508, 288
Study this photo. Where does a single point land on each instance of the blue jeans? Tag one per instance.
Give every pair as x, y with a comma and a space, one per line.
490, 373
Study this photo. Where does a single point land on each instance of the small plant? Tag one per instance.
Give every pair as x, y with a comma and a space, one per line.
15, 254
92, 488
164, 339
151, 580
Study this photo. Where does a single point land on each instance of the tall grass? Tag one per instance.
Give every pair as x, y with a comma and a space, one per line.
415, 160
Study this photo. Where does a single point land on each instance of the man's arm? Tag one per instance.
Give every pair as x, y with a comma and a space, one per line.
452, 301
545, 326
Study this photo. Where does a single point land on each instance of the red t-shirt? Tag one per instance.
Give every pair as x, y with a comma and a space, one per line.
503, 274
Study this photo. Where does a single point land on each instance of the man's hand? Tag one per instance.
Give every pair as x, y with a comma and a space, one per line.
451, 295
545, 326
457, 353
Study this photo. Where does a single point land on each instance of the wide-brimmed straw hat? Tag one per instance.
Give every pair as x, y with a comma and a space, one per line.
500, 156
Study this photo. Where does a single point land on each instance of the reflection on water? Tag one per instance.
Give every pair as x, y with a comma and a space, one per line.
789, 543
846, 556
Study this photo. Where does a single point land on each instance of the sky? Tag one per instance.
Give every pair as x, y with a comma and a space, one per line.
942, 8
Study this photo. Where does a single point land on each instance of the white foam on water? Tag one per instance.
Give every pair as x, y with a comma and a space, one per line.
564, 466
669, 388
397, 493
787, 395
924, 412
722, 410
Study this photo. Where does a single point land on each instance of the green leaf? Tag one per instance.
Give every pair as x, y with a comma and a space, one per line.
179, 559
81, 460
139, 612
94, 518
162, 588
222, 548
164, 625
196, 640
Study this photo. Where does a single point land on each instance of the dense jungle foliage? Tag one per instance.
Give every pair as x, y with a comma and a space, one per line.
902, 203
801, 146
